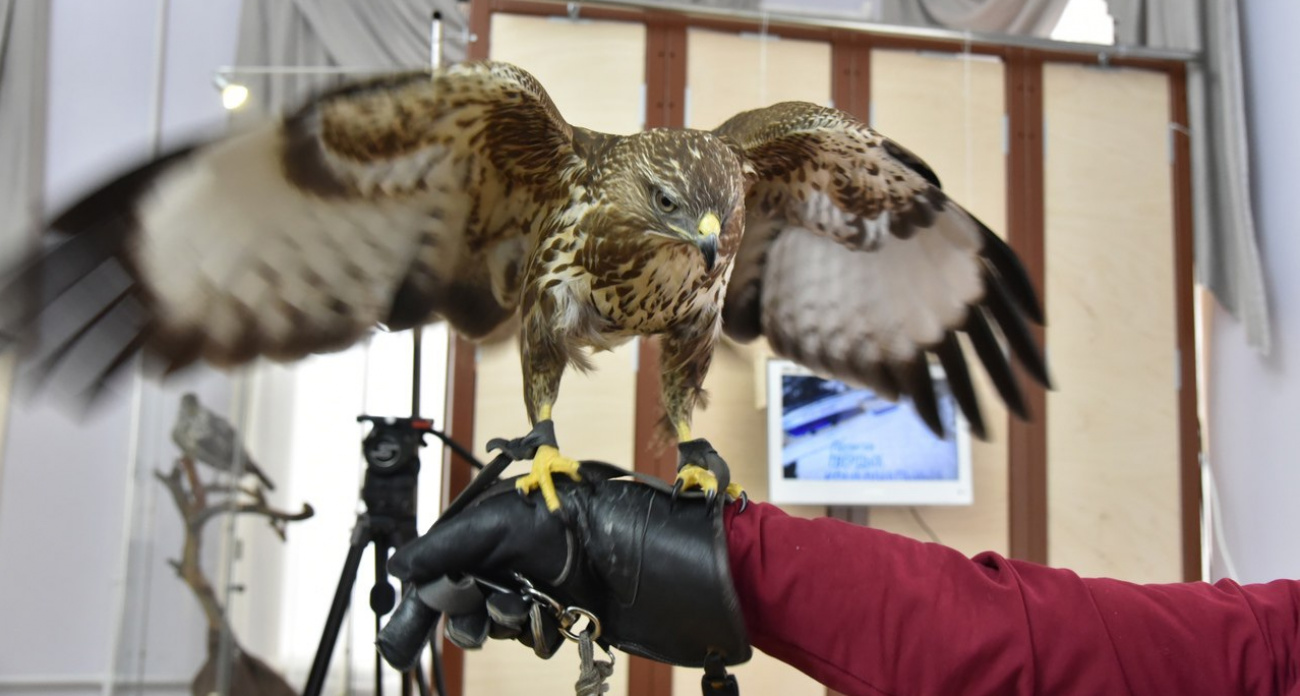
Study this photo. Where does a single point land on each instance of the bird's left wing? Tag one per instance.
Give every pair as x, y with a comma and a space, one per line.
857, 265
396, 201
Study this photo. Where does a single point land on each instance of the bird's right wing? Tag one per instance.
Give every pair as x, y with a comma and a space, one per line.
392, 201
856, 264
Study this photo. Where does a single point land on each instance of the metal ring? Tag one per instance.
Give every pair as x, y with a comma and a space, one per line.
570, 616
539, 597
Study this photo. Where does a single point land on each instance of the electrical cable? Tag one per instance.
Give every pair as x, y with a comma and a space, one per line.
916, 514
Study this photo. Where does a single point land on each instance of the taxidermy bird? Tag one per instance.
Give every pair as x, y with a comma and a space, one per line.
463, 195
210, 439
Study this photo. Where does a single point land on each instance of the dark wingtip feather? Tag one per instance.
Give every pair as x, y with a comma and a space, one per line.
989, 350
1017, 333
117, 198
916, 383
71, 276
954, 367
1006, 264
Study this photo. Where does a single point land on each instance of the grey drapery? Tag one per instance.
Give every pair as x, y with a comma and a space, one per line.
1157, 23
1022, 17
24, 30
365, 35
1227, 251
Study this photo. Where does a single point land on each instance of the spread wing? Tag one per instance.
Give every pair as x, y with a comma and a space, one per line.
395, 201
856, 264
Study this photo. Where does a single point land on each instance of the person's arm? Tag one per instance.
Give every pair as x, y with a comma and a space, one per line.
868, 613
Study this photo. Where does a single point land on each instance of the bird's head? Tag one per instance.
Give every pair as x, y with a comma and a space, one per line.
677, 186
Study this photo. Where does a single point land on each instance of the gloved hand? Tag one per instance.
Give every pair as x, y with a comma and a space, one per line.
654, 571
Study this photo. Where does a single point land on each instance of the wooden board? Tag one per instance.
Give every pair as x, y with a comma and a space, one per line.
948, 109
1113, 430
728, 73
594, 70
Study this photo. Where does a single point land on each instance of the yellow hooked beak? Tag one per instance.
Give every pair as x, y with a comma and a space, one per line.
709, 229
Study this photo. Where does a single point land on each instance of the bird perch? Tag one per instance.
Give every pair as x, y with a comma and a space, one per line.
197, 503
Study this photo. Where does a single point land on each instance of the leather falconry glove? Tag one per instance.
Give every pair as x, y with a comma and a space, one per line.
653, 570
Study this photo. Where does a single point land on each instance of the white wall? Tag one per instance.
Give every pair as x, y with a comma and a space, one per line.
62, 500
1254, 402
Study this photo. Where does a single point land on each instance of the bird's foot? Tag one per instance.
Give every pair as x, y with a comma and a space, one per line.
540, 446
699, 466
547, 463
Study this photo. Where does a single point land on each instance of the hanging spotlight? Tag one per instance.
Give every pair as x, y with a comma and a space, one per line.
233, 94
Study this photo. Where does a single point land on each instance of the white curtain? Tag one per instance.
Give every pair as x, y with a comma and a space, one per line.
1021, 17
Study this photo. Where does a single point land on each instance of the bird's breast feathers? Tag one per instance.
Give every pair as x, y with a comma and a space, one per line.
602, 300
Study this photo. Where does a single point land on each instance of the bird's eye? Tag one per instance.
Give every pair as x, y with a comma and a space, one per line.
664, 202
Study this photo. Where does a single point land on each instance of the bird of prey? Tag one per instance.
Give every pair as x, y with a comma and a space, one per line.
462, 194
209, 439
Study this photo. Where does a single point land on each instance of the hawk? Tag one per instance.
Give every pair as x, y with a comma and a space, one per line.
463, 195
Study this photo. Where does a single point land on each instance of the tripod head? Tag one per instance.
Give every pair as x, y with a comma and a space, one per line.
392, 453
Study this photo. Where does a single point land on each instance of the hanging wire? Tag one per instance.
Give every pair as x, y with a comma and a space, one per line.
762, 60
916, 515
967, 110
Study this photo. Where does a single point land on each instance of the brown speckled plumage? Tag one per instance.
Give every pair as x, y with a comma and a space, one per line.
463, 195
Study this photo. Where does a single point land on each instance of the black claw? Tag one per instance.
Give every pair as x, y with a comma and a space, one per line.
677, 488
525, 448
709, 498
744, 502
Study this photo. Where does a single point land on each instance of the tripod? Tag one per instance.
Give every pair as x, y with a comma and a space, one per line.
391, 451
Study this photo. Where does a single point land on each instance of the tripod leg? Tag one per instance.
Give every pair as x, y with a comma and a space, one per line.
418, 675
342, 597
436, 651
382, 600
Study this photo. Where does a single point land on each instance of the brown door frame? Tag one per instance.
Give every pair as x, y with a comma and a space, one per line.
851, 55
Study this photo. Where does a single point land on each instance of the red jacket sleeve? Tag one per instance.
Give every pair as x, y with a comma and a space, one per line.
868, 613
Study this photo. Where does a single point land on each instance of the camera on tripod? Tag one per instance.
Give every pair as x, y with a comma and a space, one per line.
392, 453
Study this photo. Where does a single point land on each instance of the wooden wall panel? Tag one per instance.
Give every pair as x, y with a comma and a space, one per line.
789, 69
594, 70
1027, 440
1113, 447
948, 109
594, 415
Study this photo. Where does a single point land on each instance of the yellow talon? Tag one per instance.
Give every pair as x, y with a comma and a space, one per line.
691, 476
546, 464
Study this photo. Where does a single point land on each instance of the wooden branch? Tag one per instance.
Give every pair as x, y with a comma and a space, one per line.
254, 508
196, 484
196, 511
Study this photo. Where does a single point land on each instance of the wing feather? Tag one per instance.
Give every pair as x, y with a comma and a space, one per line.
865, 270
396, 201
